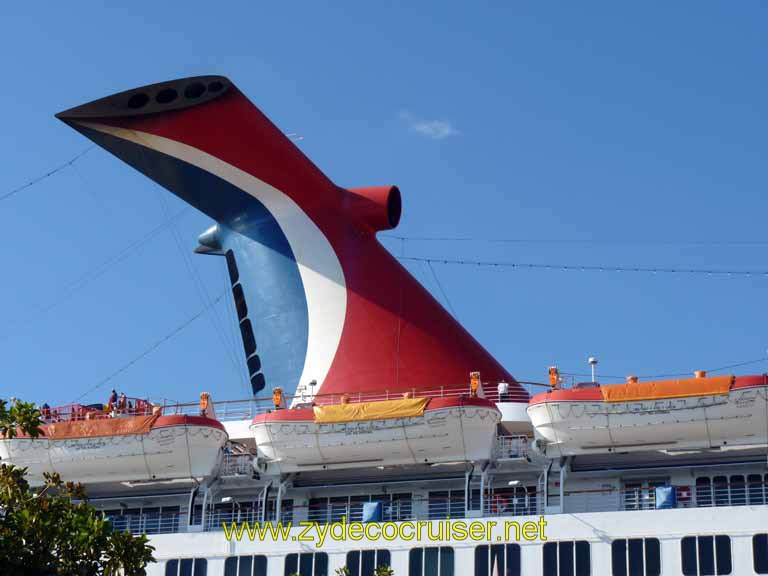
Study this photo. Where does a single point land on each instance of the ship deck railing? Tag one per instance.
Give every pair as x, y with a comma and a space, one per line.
512, 447
506, 447
522, 501
75, 412
236, 465
246, 409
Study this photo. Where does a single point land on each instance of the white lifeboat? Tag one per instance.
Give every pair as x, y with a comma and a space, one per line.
695, 413
133, 444
384, 432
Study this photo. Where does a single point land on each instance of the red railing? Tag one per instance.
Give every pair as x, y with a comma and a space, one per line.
489, 392
246, 409
75, 412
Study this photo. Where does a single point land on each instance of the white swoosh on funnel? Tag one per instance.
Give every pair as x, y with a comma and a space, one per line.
321, 273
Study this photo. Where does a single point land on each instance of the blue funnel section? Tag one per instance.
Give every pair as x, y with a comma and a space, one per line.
270, 303
266, 283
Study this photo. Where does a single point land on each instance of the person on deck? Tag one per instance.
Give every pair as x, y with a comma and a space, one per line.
45, 411
503, 390
122, 405
112, 403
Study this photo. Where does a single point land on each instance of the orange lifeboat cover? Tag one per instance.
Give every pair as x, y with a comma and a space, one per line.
102, 427
362, 411
660, 389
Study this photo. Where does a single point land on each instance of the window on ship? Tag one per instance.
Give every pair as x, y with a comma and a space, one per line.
242, 511
703, 492
760, 553
307, 564
446, 503
505, 501
720, 488
186, 567
641, 494
396, 507
365, 562
150, 520
567, 558
431, 561
706, 555
245, 566
756, 488
510, 501
497, 559
734, 490
636, 557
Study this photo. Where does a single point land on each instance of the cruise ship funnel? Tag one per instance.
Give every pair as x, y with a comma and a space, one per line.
318, 298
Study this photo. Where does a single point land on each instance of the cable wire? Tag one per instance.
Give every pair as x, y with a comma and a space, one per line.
92, 274
442, 291
205, 299
588, 268
670, 374
48, 174
150, 349
554, 241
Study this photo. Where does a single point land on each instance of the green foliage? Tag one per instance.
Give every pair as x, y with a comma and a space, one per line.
54, 530
20, 416
379, 571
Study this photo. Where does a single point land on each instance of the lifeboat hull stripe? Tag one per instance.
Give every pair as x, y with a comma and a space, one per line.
737, 418
595, 394
448, 434
308, 414
667, 389
128, 426
171, 451
182, 420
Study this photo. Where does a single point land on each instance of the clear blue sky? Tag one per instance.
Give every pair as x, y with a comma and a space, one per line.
629, 129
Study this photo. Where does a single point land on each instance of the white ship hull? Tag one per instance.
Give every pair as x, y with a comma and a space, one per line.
165, 452
449, 434
598, 530
572, 427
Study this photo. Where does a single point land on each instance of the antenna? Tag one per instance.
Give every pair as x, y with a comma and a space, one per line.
593, 362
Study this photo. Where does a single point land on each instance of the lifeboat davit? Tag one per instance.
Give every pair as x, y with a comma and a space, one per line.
132, 445
696, 413
378, 433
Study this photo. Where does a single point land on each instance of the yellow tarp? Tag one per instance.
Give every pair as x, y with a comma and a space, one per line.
657, 390
361, 411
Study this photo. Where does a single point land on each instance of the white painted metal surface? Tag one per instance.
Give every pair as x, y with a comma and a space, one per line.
599, 529
169, 452
461, 433
568, 428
